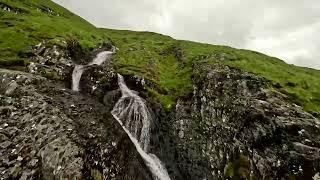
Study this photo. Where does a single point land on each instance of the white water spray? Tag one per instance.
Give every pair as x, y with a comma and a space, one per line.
76, 76
101, 57
78, 69
135, 118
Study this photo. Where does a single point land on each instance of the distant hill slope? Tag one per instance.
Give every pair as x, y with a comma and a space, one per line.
166, 62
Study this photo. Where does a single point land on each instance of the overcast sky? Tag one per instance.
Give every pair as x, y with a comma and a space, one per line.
288, 29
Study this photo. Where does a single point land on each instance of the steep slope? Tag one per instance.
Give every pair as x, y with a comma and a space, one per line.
166, 62
28, 22
231, 126
214, 112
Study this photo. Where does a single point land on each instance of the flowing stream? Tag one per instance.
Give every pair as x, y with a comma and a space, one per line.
135, 118
133, 115
76, 76
78, 69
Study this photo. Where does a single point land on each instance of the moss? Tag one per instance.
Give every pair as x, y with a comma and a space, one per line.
51, 74
96, 175
238, 168
168, 102
16, 171
3, 137
12, 62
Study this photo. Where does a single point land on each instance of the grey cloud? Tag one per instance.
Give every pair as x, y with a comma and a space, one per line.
287, 29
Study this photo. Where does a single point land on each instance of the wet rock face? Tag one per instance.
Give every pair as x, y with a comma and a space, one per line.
98, 80
35, 133
50, 132
233, 127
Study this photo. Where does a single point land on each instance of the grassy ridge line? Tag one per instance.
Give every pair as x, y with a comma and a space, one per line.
156, 57
38, 20
301, 85
164, 61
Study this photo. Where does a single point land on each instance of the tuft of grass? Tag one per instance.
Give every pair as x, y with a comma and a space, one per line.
162, 60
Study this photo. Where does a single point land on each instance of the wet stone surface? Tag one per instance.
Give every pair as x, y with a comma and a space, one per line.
232, 126
48, 131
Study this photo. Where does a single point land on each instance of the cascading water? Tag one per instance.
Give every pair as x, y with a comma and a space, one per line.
78, 69
76, 76
135, 118
101, 57
133, 115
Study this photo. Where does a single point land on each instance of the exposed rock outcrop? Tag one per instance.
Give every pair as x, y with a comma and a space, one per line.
50, 132
233, 126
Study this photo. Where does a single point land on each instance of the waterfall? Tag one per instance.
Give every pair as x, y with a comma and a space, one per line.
76, 76
135, 118
101, 57
78, 69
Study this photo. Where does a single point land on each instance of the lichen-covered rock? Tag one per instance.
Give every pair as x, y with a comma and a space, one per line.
235, 127
50, 61
49, 132
30, 125
58, 154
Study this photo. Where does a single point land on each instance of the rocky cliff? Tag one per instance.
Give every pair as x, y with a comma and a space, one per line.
232, 126
215, 112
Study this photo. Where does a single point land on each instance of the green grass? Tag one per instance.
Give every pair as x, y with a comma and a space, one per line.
34, 24
302, 85
164, 61
152, 56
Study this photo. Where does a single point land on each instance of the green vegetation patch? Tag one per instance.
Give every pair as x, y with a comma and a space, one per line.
31, 21
300, 85
239, 168
166, 62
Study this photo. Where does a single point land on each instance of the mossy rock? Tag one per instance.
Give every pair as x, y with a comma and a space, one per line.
96, 175
239, 168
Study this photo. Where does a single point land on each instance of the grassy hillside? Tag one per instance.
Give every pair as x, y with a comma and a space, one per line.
164, 61
28, 22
